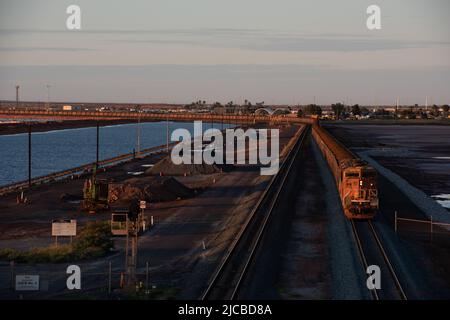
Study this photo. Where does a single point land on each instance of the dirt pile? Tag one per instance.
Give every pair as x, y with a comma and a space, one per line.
155, 189
167, 168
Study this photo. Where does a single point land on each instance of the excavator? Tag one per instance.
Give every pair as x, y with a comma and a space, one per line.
95, 193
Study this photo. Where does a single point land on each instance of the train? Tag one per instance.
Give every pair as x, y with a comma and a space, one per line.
356, 180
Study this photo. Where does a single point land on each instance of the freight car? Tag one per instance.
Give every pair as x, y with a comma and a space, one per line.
355, 179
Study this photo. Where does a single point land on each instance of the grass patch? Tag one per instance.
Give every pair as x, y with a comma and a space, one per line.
94, 241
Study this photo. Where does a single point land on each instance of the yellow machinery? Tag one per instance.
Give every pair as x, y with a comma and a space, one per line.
95, 193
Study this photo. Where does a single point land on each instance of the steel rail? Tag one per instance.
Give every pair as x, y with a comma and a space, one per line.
388, 262
233, 247
384, 255
362, 255
267, 217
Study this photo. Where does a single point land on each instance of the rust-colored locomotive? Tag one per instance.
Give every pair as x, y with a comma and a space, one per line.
355, 179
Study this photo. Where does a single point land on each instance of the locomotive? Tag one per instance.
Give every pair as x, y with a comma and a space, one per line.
355, 179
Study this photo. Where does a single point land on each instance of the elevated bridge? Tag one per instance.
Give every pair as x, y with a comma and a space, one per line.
147, 116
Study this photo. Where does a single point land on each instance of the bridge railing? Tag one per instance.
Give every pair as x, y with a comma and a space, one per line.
155, 116
79, 171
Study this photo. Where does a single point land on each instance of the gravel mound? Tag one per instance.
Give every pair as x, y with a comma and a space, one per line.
167, 168
155, 189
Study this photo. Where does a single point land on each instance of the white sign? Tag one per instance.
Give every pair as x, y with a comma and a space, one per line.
143, 204
27, 282
64, 228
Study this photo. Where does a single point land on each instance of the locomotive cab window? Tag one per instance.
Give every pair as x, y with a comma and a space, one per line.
351, 174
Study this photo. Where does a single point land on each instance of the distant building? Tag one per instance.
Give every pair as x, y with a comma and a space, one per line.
71, 108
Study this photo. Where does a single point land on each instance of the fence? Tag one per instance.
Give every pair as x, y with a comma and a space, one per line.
81, 170
422, 226
99, 280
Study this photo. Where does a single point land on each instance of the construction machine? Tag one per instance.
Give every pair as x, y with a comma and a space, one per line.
95, 193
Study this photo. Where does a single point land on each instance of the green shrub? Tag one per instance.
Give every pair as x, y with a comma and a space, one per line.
94, 241
9, 254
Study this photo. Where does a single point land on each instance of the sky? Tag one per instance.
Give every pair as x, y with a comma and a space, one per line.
178, 51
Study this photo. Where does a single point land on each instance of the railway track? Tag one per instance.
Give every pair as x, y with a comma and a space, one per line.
372, 252
228, 278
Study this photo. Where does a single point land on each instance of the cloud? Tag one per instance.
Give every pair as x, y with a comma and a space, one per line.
196, 31
31, 49
341, 44
272, 40
248, 39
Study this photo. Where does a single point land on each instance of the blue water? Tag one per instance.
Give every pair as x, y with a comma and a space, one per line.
63, 149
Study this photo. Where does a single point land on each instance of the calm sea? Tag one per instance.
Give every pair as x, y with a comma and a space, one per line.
64, 149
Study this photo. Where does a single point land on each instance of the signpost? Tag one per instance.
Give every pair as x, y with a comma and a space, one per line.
143, 206
64, 228
27, 283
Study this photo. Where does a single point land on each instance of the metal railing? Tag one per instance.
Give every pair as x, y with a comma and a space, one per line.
155, 116
100, 280
430, 225
79, 171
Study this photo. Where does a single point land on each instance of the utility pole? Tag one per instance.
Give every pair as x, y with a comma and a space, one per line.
109, 276
17, 96
396, 108
139, 136
426, 103
131, 251
167, 134
48, 96
146, 276
98, 145
29, 156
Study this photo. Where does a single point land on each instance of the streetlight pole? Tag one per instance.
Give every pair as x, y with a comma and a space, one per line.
167, 134
48, 97
139, 135
29, 155
17, 96
98, 146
